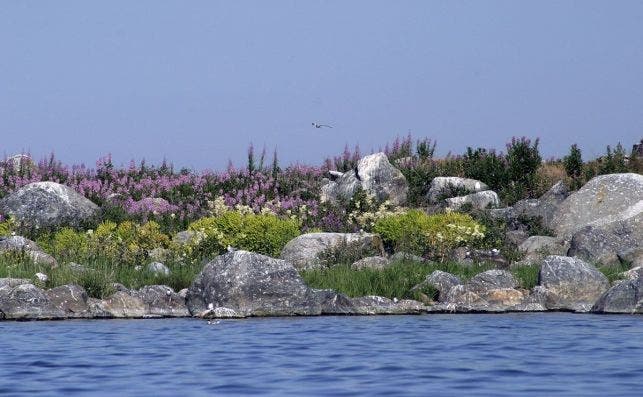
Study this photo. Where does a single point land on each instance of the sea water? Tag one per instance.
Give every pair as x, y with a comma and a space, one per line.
539, 354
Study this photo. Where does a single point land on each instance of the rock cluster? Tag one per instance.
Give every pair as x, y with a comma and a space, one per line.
375, 175
457, 192
46, 205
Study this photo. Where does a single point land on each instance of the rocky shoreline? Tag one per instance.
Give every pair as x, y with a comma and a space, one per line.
600, 223
243, 284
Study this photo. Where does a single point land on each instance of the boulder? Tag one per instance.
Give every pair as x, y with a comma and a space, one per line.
46, 205
376, 176
303, 251
544, 207
604, 200
251, 285
19, 244
462, 299
479, 200
27, 302
70, 299
603, 244
122, 304
439, 280
536, 248
443, 187
624, 297
371, 262
334, 303
162, 301
490, 291
491, 279
158, 269
570, 283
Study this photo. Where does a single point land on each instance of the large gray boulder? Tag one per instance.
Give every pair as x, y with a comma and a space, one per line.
570, 283
252, 285
376, 175
624, 297
45, 205
479, 201
603, 244
303, 251
27, 302
443, 187
603, 201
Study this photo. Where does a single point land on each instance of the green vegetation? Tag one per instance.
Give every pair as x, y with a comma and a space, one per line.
397, 280
262, 233
614, 273
97, 276
433, 235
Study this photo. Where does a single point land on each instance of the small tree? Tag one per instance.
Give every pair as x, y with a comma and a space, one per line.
523, 160
574, 166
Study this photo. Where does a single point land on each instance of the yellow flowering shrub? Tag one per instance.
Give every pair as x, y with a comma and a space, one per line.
262, 233
419, 233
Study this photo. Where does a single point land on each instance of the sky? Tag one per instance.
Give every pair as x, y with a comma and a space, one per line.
196, 82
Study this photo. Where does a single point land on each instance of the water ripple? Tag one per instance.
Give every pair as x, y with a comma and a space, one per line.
502, 355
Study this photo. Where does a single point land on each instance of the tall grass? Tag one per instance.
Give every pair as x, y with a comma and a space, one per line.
398, 280
98, 276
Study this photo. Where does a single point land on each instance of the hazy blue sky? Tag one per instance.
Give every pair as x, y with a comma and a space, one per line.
196, 81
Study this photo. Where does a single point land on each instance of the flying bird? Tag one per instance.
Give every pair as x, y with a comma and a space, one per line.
316, 125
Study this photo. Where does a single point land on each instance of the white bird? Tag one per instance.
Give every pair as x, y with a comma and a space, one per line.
317, 125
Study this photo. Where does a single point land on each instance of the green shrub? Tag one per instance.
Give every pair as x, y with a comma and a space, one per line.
7, 227
266, 234
523, 160
574, 166
416, 232
262, 233
486, 166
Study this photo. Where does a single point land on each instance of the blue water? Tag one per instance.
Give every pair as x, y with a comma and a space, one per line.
526, 354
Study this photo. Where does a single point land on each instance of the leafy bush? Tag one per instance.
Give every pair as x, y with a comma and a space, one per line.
415, 231
523, 160
262, 233
574, 166
7, 226
486, 166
